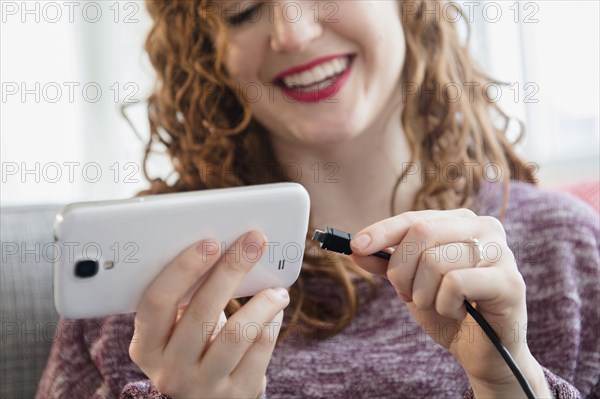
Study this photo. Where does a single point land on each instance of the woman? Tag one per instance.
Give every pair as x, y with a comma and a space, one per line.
356, 96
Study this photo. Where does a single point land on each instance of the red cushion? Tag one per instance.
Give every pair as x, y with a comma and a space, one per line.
588, 191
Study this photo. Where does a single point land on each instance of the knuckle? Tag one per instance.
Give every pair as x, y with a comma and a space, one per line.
412, 217
155, 298
236, 262
428, 258
270, 297
379, 229
466, 212
135, 354
399, 282
451, 282
494, 224
517, 283
421, 300
196, 313
231, 333
442, 308
253, 332
186, 266
504, 252
237, 267
422, 229
264, 339
392, 274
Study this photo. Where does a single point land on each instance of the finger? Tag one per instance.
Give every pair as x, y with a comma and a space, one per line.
241, 330
389, 232
199, 320
220, 323
427, 234
157, 310
433, 265
373, 264
256, 359
497, 292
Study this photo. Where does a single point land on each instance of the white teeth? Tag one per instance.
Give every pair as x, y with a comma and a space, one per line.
311, 76
329, 69
341, 64
317, 74
319, 86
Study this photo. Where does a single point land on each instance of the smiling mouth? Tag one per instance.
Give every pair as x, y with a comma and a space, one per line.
317, 78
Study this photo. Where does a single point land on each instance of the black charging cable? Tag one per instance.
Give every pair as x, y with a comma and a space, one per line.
339, 241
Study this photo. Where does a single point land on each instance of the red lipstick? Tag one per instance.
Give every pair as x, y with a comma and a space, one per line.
304, 96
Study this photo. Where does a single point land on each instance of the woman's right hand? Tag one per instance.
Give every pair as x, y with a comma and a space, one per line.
186, 354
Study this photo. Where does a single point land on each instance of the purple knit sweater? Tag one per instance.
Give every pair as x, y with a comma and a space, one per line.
384, 353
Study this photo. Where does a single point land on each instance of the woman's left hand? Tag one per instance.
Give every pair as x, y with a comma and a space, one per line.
435, 267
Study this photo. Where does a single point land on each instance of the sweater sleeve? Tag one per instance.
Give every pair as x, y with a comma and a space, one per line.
561, 267
70, 371
559, 388
145, 389
556, 240
90, 359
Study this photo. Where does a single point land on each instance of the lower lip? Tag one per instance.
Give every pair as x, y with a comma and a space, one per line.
323, 94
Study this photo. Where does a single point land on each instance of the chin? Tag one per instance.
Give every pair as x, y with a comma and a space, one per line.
318, 132
328, 137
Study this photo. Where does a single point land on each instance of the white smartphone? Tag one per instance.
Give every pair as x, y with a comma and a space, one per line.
110, 251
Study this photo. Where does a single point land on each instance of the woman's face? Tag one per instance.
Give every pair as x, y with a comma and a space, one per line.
292, 37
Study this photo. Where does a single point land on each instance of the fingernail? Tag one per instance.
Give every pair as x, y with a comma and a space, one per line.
201, 248
253, 242
282, 292
361, 241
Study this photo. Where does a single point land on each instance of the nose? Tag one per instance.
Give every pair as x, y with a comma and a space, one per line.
294, 26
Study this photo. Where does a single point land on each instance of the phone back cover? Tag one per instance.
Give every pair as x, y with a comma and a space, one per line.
140, 236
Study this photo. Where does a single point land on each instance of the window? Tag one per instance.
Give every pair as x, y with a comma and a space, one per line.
67, 66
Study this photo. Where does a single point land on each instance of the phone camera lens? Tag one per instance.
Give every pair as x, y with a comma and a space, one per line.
86, 268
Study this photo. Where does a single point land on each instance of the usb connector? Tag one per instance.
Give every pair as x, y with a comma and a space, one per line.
339, 241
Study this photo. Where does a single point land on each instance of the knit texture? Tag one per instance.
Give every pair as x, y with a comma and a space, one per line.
384, 353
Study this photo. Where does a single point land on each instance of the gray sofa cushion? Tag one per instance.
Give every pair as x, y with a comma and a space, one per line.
27, 316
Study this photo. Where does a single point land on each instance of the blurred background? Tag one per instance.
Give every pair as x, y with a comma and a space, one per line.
66, 67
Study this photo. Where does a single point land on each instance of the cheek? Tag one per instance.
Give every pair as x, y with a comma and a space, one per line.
243, 65
375, 27
388, 45
235, 65
242, 61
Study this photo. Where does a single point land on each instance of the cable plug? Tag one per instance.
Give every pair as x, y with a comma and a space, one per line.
339, 241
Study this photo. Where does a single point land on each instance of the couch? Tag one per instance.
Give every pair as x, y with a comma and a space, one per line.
28, 319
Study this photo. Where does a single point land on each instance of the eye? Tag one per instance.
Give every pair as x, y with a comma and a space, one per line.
244, 16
